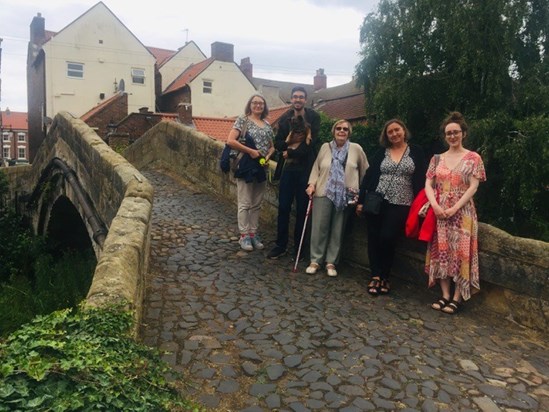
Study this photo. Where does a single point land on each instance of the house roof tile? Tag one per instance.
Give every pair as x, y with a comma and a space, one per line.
188, 75
86, 116
274, 114
335, 92
161, 55
218, 128
14, 120
346, 107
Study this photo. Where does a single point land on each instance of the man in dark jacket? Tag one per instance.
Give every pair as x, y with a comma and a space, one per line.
295, 173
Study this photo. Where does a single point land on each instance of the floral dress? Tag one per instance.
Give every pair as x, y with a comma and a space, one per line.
453, 251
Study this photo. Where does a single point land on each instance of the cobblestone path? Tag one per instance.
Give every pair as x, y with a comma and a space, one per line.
251, 335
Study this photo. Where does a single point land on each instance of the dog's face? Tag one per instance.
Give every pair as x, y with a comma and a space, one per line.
298, 124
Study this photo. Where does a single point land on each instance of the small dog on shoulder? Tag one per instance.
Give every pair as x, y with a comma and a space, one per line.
300, 131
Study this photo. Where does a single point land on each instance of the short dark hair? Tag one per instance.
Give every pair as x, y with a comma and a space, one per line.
299, 89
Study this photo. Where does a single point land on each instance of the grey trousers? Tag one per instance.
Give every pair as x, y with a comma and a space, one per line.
249, 197
327, 226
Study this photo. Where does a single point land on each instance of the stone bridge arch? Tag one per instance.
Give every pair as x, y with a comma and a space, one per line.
60, 209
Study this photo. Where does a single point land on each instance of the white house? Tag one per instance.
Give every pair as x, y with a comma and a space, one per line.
173, 65
215, 87
86, 61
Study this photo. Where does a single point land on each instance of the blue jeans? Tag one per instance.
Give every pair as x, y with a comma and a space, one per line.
292, 185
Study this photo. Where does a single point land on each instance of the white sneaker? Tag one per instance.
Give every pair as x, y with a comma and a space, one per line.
312, 268
256, 242
246, 243
331, 270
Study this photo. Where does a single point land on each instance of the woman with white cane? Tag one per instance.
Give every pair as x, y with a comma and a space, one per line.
334, 182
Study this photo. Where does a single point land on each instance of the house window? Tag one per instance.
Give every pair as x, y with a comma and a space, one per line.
21, 137
138, 76
6, 152
75, 70
207, 86
6, 137
21, 152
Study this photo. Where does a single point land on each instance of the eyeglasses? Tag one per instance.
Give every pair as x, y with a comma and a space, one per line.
339, 129
451, 133
298, 97
258, 103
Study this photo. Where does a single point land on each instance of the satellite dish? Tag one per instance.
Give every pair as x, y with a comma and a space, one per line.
121, 85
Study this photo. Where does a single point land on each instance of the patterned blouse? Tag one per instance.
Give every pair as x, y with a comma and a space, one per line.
397, 188
263, 136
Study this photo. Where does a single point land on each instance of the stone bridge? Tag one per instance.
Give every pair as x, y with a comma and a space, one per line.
81, 190
76, 180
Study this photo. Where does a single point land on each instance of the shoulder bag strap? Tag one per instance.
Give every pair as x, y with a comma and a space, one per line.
242, 139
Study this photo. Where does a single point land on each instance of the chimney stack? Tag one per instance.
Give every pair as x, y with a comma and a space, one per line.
223, 51
185, 113
247, 67
319, 81
38, 29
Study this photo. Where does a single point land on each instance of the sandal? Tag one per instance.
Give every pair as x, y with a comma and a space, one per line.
440, 304
312, 268
374, 285
331, 269
451, 308
385, 287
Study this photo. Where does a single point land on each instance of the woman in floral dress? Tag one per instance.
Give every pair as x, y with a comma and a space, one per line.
452, 180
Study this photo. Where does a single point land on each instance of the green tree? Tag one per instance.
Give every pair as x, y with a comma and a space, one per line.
485, 58
422, 58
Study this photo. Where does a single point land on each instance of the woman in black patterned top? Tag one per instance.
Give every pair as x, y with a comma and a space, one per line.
398, 171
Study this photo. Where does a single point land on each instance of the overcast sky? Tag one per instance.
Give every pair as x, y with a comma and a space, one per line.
285, 39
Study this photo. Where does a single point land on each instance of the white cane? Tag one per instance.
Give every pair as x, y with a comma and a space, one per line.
309, 208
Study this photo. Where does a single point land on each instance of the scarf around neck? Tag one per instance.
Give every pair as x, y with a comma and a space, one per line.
335, 186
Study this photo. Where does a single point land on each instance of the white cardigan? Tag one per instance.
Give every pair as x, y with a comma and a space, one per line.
355, 168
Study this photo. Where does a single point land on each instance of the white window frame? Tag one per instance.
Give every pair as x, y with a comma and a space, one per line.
21, 137
6, 152
207, 86
24, 149
75, 70
138, 75
6, 136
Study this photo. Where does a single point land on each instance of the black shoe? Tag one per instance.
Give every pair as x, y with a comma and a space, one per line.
304, 255
276, 252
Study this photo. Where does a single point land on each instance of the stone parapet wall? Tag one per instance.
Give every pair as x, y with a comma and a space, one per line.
514, 271
193, 155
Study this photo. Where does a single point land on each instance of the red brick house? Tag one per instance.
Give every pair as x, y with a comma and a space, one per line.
14, 134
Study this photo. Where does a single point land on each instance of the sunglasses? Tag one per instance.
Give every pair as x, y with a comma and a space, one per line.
340, 128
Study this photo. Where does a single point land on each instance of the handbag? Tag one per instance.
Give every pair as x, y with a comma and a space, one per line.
372, 203
230, 158
374, 200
